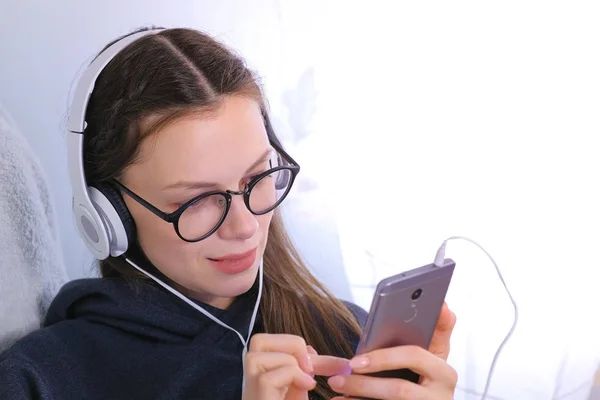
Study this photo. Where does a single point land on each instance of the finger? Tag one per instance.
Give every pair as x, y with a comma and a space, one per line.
285, 376
282, 343
440, 342
329, 365
414, 358
311, 350
257, 363
377, 388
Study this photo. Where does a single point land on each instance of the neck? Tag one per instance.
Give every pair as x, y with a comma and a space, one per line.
220, 302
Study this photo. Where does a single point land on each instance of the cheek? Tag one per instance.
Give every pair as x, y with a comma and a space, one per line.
163, 247
151, 230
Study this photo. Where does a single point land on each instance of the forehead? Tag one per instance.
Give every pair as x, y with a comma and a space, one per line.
205, 146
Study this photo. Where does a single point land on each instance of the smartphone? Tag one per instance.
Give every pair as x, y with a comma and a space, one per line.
404, 311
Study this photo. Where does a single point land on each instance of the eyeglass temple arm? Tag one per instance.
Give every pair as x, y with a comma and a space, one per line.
149, 206
274, 140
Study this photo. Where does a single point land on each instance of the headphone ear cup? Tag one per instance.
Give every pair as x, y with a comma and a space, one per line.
112, 208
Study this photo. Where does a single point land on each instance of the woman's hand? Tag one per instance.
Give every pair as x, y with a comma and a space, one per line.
282, 367
278, 367
438, 379
440, 341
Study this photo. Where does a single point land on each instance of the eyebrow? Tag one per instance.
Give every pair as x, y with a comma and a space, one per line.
201, 185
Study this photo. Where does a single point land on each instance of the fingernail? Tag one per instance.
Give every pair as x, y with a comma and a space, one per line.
359, 362
311, 379
311, 350
309, 363
336, 382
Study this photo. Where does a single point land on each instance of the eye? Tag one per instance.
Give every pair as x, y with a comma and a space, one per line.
178, 204
179, 201
255, 175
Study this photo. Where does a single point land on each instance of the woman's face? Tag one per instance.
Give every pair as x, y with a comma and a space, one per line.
194, 155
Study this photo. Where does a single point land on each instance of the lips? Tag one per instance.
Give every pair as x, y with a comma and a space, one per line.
232, 257
235, 263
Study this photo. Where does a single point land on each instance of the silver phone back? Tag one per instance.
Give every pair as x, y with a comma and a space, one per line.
405, 310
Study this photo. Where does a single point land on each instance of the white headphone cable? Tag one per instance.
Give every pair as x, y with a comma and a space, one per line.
439, 261
209, 315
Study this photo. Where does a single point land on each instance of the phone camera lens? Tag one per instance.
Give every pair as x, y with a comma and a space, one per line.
416, 294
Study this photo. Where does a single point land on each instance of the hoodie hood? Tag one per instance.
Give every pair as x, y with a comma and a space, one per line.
145, 310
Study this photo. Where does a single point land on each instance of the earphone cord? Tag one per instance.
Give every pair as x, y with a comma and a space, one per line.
212, 317
439, 260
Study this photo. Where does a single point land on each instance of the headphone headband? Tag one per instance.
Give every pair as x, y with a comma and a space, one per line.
96, 219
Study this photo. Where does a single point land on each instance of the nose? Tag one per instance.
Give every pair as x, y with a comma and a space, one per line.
240, 223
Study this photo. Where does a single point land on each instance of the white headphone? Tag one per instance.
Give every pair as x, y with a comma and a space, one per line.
101, 216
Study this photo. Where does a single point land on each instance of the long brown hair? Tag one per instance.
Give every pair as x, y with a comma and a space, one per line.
171, 74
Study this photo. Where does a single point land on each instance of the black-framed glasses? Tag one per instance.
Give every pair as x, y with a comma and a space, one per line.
201, 216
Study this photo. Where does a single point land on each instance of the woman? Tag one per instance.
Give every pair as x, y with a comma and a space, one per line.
177, 127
